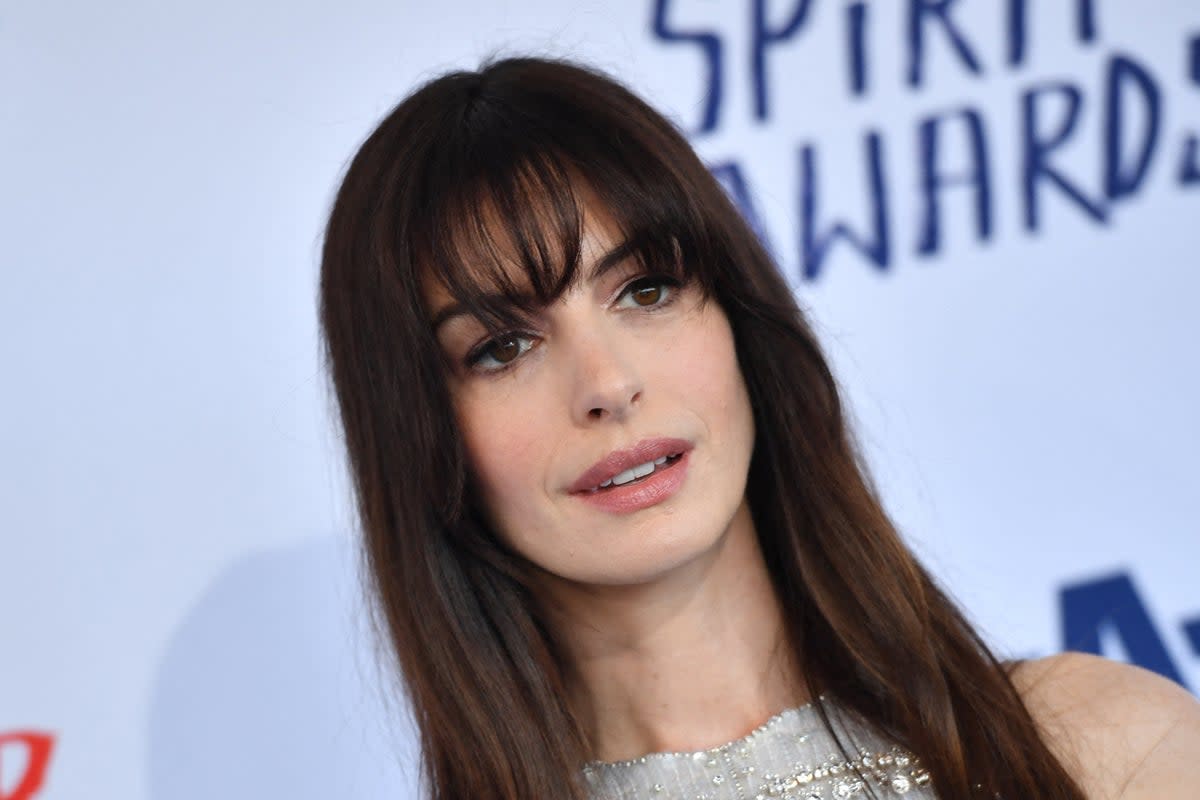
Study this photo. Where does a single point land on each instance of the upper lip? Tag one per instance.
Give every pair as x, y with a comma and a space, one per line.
618, 461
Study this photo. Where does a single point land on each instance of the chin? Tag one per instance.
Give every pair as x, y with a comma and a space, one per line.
653, 554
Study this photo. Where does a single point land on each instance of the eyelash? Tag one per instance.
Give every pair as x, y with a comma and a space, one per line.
480, 351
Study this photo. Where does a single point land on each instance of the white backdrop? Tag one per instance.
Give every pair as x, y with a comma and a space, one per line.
178, 598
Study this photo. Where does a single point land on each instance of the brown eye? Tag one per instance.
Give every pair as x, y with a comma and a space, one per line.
504, 350
498, 353
650, 292
647, 295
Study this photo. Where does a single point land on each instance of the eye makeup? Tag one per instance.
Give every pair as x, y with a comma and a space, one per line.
497, 353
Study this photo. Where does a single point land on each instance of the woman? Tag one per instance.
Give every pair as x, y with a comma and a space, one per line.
611, 505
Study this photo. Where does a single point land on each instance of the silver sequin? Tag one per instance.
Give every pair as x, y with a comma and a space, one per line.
790, 757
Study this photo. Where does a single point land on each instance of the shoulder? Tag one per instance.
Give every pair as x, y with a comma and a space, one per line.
1123, 732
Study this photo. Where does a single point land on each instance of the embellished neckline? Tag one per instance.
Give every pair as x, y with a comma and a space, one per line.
763, 729
792, 754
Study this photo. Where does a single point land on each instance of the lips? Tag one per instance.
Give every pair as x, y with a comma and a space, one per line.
618, 461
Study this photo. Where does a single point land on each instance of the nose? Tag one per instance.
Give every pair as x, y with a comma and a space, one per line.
606, 377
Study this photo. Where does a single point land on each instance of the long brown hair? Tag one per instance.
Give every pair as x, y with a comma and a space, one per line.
517, 142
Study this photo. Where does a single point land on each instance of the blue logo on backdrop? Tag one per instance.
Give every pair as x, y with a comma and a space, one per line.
1110, 609
1048, 114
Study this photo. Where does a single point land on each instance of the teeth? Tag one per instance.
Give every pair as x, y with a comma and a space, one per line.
633, 473
626, 476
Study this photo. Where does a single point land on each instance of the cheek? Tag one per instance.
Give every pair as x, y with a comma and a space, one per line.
503, 451
703, 366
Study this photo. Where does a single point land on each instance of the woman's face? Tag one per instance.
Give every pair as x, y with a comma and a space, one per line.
622, 371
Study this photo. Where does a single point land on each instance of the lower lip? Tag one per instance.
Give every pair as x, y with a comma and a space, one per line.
649, 491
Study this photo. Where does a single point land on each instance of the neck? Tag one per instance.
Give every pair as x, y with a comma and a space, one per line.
688, 661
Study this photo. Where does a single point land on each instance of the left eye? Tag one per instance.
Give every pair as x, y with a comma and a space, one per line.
649, 292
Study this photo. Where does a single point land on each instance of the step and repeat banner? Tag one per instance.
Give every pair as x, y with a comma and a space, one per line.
990, 208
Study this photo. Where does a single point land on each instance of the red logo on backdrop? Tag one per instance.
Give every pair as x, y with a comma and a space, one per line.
31, 752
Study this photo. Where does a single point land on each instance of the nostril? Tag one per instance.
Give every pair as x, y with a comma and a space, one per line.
596, 413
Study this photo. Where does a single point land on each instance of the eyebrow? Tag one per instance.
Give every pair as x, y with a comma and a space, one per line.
604, 265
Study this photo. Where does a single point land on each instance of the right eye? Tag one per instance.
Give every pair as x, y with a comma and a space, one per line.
498, 353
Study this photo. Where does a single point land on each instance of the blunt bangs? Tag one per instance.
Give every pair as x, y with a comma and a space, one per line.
511, 173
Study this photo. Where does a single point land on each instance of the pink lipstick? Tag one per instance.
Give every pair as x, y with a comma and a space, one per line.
636, 478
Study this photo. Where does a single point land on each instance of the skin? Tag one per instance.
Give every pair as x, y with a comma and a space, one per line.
639, 599
1123, 732
673, 630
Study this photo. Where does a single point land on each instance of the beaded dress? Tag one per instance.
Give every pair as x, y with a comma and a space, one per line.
790, 757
